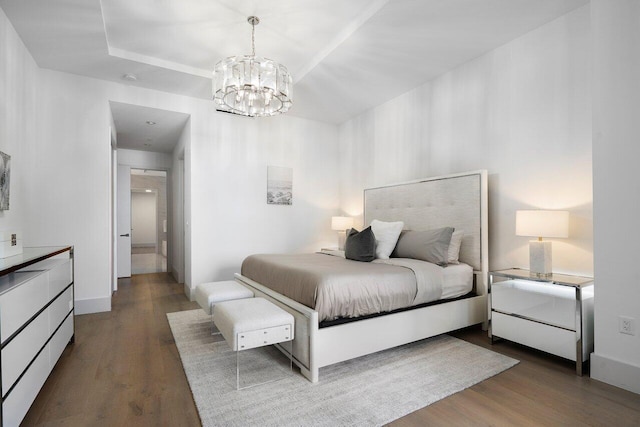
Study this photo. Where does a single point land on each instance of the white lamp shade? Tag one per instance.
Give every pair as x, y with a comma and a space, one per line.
539, 223
341, 223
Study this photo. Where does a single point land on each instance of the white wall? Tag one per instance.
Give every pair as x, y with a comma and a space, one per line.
522, 111
178, 256
616, 127
18, 101
230, 218
143, 219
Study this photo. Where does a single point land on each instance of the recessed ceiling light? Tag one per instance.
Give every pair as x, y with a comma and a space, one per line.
150, 122
148, 191
130, 77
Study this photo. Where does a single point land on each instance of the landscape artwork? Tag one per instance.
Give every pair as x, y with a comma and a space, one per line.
5, 179
279, 185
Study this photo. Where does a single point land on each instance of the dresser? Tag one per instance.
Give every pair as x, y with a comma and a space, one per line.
552, 314
36, 323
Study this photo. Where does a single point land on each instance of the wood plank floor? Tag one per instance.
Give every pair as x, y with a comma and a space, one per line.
124, 370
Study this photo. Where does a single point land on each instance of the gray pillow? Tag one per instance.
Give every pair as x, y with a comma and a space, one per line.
430, 245
360, 246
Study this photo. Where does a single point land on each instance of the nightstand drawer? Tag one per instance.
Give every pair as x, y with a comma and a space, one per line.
546, 338
554, 305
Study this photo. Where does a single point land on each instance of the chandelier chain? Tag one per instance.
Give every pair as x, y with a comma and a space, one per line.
253, 39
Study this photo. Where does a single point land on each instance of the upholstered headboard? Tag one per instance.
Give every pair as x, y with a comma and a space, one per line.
458, 201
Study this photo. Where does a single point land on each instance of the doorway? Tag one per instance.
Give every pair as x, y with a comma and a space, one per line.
150, 142
149, 242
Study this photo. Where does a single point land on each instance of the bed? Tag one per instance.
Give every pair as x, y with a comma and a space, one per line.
322, 338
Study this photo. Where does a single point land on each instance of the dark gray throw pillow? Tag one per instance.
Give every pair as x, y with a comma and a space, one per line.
429, 245
360, 246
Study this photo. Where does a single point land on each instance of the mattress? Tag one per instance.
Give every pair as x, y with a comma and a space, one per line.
339, 288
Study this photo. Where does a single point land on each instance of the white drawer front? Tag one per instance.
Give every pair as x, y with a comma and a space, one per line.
18, 305
546, 338
59, 278
21, 350
60, 341
551, 304
262, 337
17, 404
59, 309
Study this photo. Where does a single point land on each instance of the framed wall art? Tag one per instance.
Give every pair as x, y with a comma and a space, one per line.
279, 185
5, 180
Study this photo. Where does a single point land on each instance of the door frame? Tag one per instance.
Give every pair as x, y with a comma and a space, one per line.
123, 169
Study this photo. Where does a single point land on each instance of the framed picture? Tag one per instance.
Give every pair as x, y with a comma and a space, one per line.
279, 185
5, 180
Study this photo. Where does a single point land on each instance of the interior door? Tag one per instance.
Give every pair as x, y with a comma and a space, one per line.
124, 221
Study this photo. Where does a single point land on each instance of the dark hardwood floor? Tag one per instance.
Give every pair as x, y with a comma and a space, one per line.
124, 370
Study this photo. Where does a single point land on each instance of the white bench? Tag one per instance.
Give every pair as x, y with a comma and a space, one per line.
208, 294
212, 293
252, 323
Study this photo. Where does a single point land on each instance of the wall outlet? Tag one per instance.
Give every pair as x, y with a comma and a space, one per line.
627, 325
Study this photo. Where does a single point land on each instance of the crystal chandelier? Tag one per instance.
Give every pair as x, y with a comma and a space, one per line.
250, 85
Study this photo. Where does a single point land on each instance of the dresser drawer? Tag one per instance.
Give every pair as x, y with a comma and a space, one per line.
59, 309
21, 303
546, 338
21, 350
554, 305
18, 402
60, 277
60, 340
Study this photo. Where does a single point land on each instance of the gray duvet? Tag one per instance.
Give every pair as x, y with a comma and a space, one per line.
337, 287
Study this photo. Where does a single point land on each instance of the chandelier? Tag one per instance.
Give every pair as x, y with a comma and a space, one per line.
250, 85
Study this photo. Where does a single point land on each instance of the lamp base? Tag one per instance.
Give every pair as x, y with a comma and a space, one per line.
540, 259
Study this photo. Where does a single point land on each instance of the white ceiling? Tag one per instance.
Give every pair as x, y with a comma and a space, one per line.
345, 56
134, 133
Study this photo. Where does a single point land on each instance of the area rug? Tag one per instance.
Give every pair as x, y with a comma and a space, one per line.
367, 391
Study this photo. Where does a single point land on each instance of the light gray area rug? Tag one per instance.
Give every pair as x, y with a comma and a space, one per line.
371, 390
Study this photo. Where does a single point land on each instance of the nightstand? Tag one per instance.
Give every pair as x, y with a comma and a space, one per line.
553, 314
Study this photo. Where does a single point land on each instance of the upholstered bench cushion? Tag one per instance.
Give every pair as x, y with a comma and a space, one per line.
216, 292
251, 323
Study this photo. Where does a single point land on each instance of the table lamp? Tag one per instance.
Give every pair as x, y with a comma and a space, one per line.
541, 223
341, 224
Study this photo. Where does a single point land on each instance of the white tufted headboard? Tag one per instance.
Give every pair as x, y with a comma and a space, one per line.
458, 201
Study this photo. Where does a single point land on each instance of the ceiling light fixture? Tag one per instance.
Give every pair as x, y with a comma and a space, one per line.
130, 77
150, 122
250, 85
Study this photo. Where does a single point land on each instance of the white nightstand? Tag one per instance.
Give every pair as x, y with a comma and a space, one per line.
552, 314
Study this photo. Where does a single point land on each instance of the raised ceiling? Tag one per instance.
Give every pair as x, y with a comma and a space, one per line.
345, 56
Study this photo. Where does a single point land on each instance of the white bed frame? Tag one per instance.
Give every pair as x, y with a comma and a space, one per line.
458, 200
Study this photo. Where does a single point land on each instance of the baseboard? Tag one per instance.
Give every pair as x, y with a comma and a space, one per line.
187, 292
92, 305
176, 274
615, 372
143, 245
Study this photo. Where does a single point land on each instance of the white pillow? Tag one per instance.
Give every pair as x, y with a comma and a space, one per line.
454, 246
387, 234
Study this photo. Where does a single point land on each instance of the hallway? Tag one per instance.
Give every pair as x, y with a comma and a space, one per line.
146, 260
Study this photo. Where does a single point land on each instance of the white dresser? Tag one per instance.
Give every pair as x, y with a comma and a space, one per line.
36, 323
553, 314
